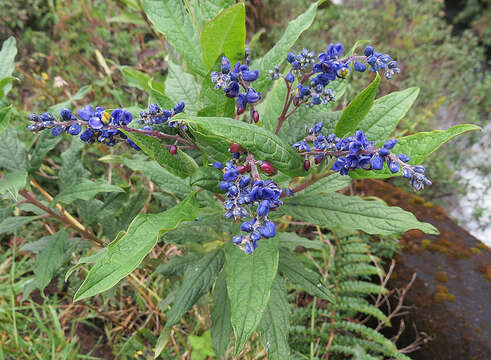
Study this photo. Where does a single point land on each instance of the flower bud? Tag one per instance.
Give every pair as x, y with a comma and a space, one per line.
306, 165
173, 149
255, 116
240, 110
267, 168
234, 148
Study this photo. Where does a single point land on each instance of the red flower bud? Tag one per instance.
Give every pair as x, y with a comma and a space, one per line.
306, 165
267, 168
255, 116
240, 111
173, 149
235, 148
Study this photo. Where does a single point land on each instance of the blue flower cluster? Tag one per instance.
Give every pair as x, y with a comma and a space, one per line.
314, 76
101, 125
235, 82
356, 152
377, 61
243, 194
156, 115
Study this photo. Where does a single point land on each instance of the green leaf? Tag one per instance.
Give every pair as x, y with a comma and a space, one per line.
12, 183
127, 18
303, 277
328, 184
55, 109
72, 169
181, 86
351, 212
5, 114
161, 342
188, 161
11, 224
225, 34
249, 281
13, 154
213, 102
211, 8
197, 280
154, 149
356, 111
221, 327
277, 54
291, 240
91, 259
265, 145
126, 253
201, 346
170, 18
7, 61
136, 78
270, 108
50, 259
208, 178
178, 264
386, 113
275, 323
418, 146
84, 190
45, 143
167, 182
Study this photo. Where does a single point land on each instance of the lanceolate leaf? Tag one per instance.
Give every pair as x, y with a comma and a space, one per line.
171, 19
154, 149
418, 146
221, 327
49, 260
357, 110
265, 145
13, 154
225, 34
340, 211
198, 279
277, 54
7, 64
328, 184
181, 86
208, 178
84, 190
275, 323
5, 117
249, 281
306, 279
167, 182
126, 253
12, 182
386, 113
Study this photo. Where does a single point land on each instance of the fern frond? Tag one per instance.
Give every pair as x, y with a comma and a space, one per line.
355, 270
352, 287
350, 351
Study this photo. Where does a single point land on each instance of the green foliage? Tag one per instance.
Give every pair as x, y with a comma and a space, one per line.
170, 18
140, 238
356, 111
249, 282
337, 211
225, 34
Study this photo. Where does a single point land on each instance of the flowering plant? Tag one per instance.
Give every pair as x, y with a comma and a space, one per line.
252, 143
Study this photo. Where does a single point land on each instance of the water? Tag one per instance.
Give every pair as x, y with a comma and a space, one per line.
473, 210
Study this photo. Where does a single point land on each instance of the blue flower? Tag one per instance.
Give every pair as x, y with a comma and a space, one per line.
389, 144
225, 65
268, 229
95, 123
360, 66
250, 76
74, 129
66, 114
263, 208
57, 130
252, 96
86, 113
377, 162
289, 77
